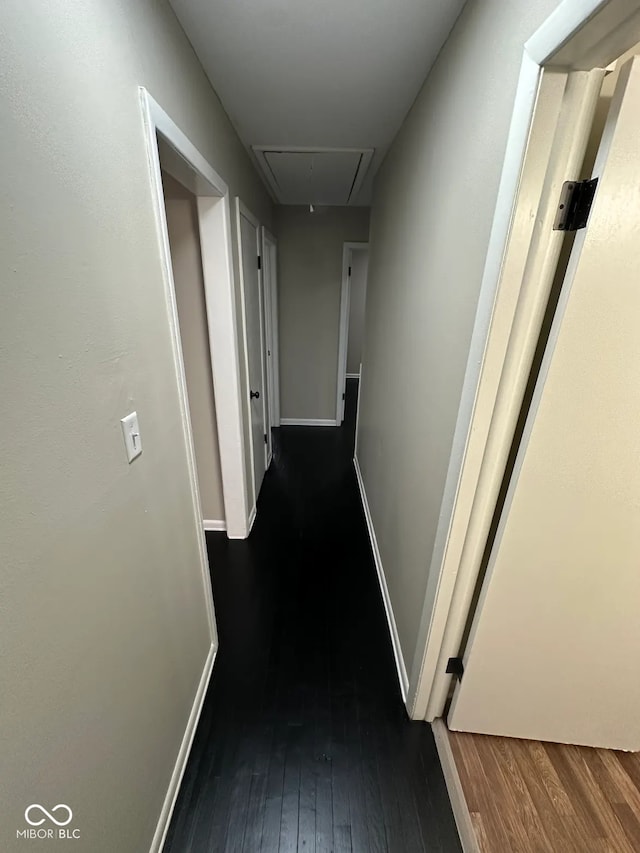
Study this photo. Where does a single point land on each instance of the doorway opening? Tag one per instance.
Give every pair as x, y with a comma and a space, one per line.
257, 250
353, 300
556, 576
561, 76
204, 214
186, 260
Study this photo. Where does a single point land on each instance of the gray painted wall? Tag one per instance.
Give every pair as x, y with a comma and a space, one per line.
103, 624
309, 285
433, 206
357, 306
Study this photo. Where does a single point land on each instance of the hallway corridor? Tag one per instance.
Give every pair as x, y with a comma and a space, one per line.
304, 743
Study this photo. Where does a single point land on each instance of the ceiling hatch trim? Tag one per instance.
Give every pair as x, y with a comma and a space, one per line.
313, 175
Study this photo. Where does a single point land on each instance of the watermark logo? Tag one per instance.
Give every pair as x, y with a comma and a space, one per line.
39, 819
65, 810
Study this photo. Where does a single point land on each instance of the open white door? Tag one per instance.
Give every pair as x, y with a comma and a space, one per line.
554, 647
252, 298
270, 291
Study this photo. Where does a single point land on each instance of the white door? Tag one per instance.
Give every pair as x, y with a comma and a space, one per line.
249, 233
270, 291
554, 649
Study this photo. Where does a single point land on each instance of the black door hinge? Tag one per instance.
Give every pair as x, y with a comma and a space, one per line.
265, 438
344, 396
455, 667
574, 206
259, 262
349, 270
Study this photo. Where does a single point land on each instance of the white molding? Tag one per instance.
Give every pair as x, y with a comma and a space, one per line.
216, 250
355, 443
343, 331
393, 631
164, 820
166, 127
310, 422
457, 798
433, 620
209, 524
599, 30
155, 121
243, 211
252, 517
353, 376
270, 248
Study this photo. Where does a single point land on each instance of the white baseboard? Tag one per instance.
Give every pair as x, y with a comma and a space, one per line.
459, 806
208, 524
162, 828
353, 376
395, 640
317, 422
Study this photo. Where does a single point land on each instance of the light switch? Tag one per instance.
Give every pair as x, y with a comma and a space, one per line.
131, 433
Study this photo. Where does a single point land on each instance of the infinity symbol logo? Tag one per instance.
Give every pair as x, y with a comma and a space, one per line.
49, 815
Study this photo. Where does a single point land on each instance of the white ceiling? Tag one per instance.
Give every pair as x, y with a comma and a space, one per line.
317, 74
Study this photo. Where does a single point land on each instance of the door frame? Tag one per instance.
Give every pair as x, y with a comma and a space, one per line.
343, 334
580, 35
214, 223
243, 210
270, 251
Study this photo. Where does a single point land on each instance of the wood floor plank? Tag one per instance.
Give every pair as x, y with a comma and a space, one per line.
460, 742
630, 763
533, 796
564, 831
518, 795
613, 829
630, 821
479, 783
626, 791
484, 843
585, 809
303, 714
560, 799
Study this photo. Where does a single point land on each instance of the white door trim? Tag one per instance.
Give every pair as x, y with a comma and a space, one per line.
215, 235
343, 335
215, 238
242, 210
270, 248
579, 35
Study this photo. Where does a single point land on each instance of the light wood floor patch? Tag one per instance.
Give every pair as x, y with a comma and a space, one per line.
533, 797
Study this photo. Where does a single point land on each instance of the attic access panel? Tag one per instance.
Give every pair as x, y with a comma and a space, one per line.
314, 176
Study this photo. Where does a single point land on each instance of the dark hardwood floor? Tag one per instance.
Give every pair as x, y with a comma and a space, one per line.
304, 743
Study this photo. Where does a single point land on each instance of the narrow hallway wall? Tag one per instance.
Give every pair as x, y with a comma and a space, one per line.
434, 200
309, 286
104, 628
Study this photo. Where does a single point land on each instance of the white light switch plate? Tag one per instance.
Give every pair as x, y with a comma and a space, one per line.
131, 433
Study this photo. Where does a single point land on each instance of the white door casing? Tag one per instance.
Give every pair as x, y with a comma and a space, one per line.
249, 248
554, 644
270, 291
579, 35
343, 333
